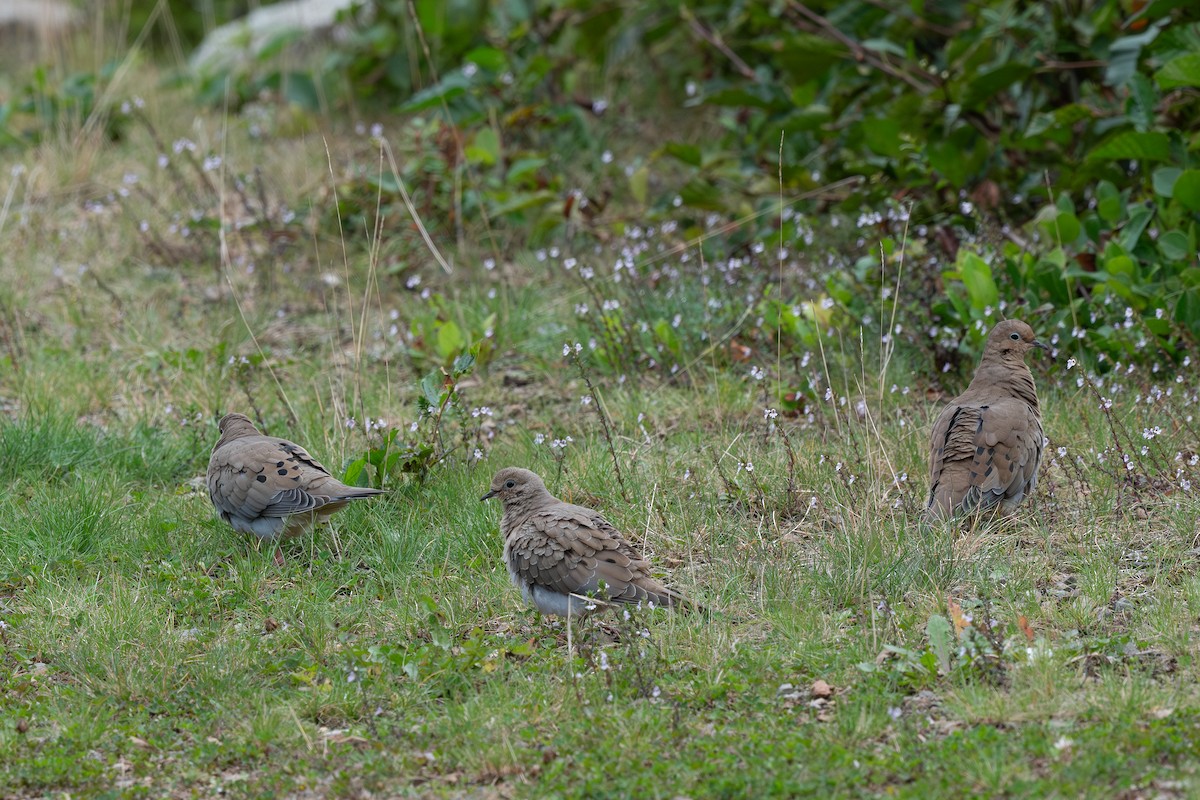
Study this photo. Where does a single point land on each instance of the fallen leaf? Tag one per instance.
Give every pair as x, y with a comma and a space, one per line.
957, 616
1023, 624
821, 689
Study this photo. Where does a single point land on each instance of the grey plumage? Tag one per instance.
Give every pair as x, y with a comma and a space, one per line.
269, 486
558, 553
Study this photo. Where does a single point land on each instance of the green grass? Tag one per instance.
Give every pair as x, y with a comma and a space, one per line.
149, 650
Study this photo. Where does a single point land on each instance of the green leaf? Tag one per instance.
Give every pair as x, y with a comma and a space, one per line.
882, 135
987, 84
1181, 71
1139, 218
639, 184
1187, 189
666, 335
1123, 55
1108, 202
1121, 265
447, 88
1133, 145
484, 148
488, 58
687, 153
1174, 246
1164, 180
450, 339
523, 200
1143, 100
463, 365
356, 473
431, 388
941, 640
698, 193
524, 168
977, 277
1058, 225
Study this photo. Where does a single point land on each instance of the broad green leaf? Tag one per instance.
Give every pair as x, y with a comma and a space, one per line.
524, 168
977, 277
431, 388
1133, 145
1059, 226
699, 193
884, 46
299, 88
882, 135
941, 641
1121, 265
1164, 180
1187, 189
1139, 218
488, 58
1143, 100
448, 88
1108, 202
450, 339
1174, 246
987, 84
1181, 71
1123, 55
463, 364
687, 153
484, 149
639, 184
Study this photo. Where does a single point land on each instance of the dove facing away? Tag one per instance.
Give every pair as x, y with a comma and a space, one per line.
987, 443
269, 486
558, 553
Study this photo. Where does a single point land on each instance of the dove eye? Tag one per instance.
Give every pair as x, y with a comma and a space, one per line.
509, 485
1014, 336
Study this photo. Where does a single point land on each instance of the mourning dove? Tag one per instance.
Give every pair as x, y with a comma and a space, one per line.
557, 553
987, 444
269, 486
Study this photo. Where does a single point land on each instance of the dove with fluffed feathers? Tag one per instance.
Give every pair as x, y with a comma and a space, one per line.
986, 445
560, 555
271, 487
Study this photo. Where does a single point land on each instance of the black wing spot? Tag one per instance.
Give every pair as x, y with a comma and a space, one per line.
283, 472
979, 450
261, 479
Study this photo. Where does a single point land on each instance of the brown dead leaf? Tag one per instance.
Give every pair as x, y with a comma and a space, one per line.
957, 616
821, 689
1026, 629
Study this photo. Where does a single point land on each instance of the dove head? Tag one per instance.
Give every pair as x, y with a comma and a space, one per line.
1010, 340
516, 486
235, 426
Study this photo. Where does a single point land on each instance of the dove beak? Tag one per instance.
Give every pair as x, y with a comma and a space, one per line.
1042, 345
488, 496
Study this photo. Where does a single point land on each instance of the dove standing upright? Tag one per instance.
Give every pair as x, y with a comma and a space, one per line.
558, 553
987, 444
269, 486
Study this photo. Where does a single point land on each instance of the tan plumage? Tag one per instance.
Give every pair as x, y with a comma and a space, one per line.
987, 443
558, 553
269, 486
